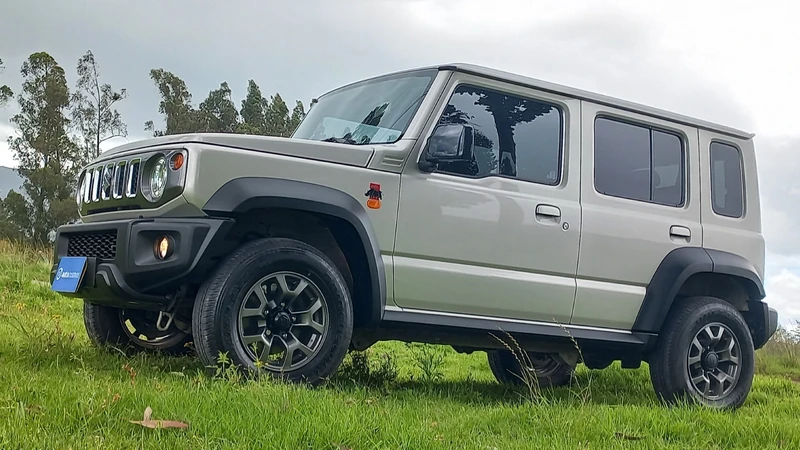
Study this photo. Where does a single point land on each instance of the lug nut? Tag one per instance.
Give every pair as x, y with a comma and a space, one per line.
269, 332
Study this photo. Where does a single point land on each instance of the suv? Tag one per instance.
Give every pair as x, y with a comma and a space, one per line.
455, 205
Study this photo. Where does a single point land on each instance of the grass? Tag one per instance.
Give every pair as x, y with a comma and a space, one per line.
56, 391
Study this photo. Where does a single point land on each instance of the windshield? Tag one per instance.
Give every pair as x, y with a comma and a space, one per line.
375, 111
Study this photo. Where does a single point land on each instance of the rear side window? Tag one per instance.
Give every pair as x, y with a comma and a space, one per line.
727, 192
638, 162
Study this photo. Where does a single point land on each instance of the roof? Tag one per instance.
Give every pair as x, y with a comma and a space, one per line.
581, 95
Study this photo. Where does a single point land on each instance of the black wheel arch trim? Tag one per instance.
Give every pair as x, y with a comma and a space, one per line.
247, 193
680, 264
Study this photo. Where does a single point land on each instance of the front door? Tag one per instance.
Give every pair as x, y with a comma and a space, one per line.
497, 236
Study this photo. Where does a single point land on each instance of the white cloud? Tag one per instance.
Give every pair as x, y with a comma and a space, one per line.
6, 156
782, 294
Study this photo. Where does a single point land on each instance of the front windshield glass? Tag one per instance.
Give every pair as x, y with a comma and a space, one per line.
376, 111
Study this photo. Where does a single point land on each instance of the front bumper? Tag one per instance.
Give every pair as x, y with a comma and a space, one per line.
122, 269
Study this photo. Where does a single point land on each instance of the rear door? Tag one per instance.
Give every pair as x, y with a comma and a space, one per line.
640, 199
497, 237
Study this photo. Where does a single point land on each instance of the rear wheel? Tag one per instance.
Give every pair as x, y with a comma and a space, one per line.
542, 368
132, 330
704, 354
275, 305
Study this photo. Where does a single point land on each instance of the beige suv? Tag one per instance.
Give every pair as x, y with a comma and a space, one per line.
455, 205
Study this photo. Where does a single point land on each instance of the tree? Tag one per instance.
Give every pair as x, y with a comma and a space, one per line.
218, 113
176, 105
47, 157
253, 110
298, 113
277, 117
93, 108
5, 92
508, 112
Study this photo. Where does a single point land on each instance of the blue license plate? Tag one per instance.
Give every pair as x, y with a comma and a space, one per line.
69, 274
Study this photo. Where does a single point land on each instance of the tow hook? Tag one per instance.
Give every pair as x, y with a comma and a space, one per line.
162, 315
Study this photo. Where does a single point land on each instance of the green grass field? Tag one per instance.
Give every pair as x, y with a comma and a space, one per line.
58, 392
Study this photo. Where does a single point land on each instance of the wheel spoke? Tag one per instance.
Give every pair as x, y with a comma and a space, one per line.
264, 356
262, 298
700, 379
311, 323
252, 338
250, 312
722, 377
288, 295
311, 309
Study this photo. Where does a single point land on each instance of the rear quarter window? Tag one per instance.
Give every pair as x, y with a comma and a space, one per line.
727, 187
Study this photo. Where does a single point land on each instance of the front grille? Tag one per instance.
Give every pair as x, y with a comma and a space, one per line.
102, 245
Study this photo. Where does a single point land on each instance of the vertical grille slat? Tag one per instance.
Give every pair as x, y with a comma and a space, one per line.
132, 183
101, 245
119, 179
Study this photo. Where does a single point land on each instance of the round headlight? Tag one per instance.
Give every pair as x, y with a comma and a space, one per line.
158, 178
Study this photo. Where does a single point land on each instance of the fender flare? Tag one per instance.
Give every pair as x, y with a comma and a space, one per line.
243, 194
677, 267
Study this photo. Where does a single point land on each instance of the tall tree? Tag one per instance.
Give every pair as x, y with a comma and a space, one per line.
298, 113
47, 157
93, 108
277, 117
253, 110
176, 105
218, 113
5, 92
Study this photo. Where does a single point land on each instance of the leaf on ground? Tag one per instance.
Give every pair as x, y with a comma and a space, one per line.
625, 437
147, 422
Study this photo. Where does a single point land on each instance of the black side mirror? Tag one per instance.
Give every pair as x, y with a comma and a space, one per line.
450, 142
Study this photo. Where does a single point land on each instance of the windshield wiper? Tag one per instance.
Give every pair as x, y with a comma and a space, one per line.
341, 140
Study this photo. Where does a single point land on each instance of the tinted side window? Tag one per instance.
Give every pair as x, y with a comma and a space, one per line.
638, 163
727, 193
514, 136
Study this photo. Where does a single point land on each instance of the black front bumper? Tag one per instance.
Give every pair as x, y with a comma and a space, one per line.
122, 269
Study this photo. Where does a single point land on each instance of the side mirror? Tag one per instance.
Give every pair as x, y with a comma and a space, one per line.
451, 142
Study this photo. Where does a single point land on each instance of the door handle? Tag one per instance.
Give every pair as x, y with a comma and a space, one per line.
679, 231
548, 211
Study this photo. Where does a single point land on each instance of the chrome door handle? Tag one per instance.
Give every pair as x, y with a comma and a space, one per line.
548, 210
679, 231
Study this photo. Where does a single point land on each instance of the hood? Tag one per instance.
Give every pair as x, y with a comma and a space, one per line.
352, 155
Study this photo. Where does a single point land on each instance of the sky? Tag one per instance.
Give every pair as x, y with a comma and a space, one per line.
732, 62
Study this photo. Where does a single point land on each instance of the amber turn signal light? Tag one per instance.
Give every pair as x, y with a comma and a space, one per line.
176, 161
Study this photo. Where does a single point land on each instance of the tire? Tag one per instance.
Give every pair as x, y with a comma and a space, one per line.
107, 327
304, 300
547, 371
677, 359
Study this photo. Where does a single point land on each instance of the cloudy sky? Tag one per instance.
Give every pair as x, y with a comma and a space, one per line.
732, 62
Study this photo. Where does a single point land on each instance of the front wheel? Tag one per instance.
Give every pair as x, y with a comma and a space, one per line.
275, 305
704, 354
